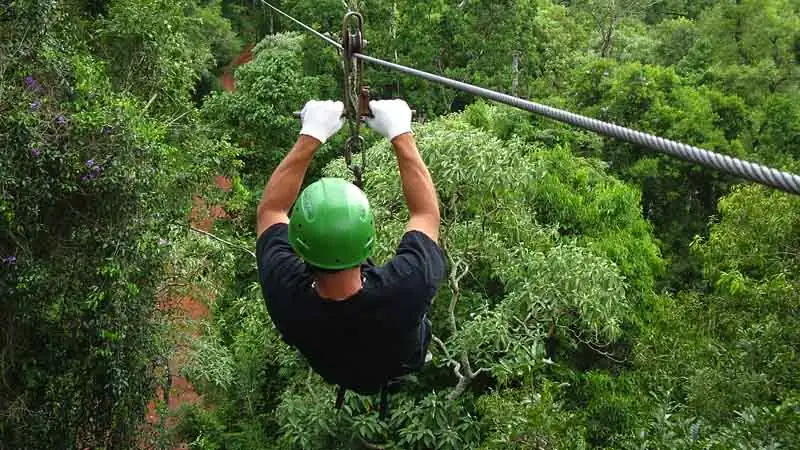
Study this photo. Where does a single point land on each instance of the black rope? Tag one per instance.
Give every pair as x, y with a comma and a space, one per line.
784, 181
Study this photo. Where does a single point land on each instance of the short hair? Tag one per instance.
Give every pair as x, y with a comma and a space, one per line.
315, 269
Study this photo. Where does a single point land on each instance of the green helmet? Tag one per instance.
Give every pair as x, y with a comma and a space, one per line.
332, 226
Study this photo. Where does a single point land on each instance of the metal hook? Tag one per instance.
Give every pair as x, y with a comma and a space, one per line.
356, 96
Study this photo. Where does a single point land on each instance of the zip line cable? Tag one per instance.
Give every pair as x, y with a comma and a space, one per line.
781, 180
306, 27
765, 175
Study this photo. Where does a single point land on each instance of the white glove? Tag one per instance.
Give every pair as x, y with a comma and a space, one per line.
321, 120
392, 118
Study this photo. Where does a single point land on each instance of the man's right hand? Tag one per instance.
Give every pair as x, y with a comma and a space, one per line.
392, 118
322, 119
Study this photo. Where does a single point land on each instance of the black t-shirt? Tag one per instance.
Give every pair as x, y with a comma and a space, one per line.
356, 341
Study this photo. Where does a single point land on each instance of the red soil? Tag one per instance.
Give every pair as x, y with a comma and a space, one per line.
228, 80
186, 311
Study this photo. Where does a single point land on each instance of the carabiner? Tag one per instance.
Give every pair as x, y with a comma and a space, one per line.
356, 96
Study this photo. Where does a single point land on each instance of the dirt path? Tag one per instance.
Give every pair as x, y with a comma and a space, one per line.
187, 311
227, 80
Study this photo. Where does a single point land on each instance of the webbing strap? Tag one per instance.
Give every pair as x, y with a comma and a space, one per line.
340, 397
384, 403
384, 407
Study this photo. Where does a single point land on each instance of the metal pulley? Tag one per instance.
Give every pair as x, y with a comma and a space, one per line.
356, 96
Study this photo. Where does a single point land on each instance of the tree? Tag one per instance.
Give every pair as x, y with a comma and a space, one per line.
608, 15
517, 220
259, 115
753, 46
727, 378
678, 197
94, 188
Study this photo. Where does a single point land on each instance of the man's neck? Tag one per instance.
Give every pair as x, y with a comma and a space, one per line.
339, 286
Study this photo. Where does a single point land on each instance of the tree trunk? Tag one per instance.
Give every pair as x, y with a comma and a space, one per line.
608, 37
737, 36
515, 73
394, 45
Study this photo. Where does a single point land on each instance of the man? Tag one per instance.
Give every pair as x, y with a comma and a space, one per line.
358, 325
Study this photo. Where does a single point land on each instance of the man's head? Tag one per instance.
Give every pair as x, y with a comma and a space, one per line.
332, 226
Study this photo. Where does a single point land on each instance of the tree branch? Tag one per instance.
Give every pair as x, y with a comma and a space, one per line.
455, 278
459, 389
595, 349
456, 365
463, 381
465, 377
441, 344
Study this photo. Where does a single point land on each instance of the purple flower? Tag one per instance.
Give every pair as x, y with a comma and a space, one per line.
95, 170
11, 260
61, 120
36, 152
35, 106
32, 84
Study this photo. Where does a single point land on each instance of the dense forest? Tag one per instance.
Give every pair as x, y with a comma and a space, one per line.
599, 295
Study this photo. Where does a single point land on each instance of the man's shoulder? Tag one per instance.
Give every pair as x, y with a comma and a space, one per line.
416, 269
277, 233
418, 250
419, 237
282, 272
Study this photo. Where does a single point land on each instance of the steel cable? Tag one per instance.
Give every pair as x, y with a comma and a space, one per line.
778, 179
784, 181
306, 27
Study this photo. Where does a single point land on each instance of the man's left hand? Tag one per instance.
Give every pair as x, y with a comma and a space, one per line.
322, 119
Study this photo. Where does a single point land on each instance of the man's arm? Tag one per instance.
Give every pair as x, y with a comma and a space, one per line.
418, 187
285, 183
392, 119
321, 120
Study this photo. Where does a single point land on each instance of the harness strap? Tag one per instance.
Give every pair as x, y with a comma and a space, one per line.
384, 404
340, 397
384, 408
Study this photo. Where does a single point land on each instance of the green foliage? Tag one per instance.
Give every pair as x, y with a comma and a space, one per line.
93, 190
730, 379
527, 418
660, 101
749, 216
605, 18
676, 38
259, 116
153, 50
560, 325
579, 199
779, 128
